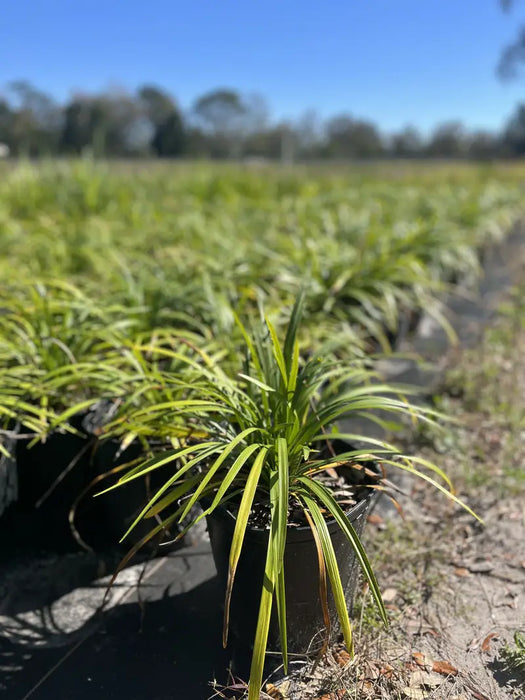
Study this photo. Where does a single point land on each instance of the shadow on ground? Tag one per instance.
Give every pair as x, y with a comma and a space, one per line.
162, 649
509, 678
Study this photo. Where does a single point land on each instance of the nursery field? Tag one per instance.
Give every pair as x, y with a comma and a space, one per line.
205, 334
140, 248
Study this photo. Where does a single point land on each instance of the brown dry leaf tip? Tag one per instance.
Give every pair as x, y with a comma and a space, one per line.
342, 657
460, 571
485, 645
336, 695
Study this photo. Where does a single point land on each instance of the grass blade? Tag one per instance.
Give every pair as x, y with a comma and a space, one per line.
239, 532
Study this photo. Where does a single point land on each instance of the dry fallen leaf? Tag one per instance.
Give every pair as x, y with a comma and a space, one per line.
278, 693
409, 666
426, 679
427, 662
336, 695
474, 645
485, 645
460, 571
387, 671
342, 657
415, 693
367, 687
444, 668
369, 670
418, 627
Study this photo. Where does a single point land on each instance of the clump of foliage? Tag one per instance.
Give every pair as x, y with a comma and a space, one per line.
514, 654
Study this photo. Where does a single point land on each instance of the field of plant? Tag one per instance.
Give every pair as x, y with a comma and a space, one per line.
100, 261
212, 324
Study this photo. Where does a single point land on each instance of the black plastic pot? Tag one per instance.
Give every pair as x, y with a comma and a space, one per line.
8, 475
62, 472
304, 612
120, 508
50, 476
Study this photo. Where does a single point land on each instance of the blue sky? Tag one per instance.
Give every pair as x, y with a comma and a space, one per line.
394, 61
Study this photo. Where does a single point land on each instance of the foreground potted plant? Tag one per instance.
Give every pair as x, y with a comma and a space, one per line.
273, 464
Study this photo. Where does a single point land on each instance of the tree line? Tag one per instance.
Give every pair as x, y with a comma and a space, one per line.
221, 124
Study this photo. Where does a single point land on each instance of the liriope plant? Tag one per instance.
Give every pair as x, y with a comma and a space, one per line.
254, 437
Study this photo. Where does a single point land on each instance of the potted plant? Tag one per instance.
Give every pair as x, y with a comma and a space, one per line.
131, 424
272, 464
58, 357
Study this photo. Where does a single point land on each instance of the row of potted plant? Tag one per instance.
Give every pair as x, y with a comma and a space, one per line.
61, 352
188, 246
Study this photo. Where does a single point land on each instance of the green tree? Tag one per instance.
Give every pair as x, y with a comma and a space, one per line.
168, 133
6, 123
169, 139
448, 140
483, 145
157, 105
406, 143
87, 122
35, 120
76, 132
104, 123
353, 138
514, 134
220, 113
309, 134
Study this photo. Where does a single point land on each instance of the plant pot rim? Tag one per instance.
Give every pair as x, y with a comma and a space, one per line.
294, 533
